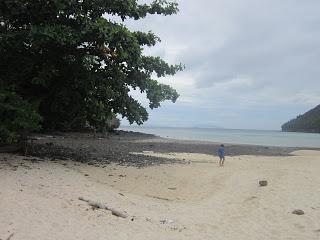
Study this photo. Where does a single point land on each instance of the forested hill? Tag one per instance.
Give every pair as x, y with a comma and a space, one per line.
308, 122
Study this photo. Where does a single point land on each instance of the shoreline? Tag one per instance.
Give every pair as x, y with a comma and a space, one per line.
119, 146
237, 136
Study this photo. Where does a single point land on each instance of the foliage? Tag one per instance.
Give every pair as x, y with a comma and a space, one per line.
112, 123
308, 122
77, 63
17, 116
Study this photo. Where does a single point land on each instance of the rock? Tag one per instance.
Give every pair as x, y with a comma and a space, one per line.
263, 183
298, 212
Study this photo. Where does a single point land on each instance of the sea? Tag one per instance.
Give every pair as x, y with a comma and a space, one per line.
234, 136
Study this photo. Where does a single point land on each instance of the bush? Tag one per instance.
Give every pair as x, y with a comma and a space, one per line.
17, 117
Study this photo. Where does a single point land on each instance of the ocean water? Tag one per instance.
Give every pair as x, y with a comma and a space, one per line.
236, 136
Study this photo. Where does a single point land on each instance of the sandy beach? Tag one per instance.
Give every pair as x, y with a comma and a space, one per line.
159, 120
190, 199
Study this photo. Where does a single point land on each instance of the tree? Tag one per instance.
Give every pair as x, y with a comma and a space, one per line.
74, 64
17, 116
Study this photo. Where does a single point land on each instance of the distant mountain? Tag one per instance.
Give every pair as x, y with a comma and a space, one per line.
308, 122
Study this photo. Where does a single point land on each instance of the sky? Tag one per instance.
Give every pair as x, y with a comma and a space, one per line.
250, 64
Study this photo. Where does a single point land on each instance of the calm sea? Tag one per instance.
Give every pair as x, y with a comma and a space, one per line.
237, 136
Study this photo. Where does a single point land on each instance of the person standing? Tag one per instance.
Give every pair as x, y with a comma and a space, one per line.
221, 154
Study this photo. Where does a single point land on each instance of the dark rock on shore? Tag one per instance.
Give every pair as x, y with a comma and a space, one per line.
119, 146
263, 183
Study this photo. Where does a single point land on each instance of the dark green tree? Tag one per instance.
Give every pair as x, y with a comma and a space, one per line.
73, 64
17, 117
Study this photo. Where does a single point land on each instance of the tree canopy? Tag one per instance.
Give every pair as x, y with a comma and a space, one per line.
70, 64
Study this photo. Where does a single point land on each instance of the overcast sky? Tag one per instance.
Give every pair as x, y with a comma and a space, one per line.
251, 64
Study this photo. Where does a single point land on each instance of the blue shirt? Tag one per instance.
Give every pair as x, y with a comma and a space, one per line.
221, 152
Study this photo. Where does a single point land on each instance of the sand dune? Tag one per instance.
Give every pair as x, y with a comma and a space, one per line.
39, 200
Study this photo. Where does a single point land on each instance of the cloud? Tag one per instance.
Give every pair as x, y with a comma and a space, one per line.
242, 57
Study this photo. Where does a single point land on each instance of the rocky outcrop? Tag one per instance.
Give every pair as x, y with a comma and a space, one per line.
308, 122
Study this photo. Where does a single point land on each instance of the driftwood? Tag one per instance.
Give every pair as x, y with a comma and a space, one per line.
103, 206
11, 235
160, 198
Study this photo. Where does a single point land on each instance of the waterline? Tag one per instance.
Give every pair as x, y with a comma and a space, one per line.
235, 136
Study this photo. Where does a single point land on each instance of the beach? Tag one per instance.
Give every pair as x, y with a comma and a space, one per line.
168, 189
117, 122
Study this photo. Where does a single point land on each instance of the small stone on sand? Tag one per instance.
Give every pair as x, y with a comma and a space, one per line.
298, 212
263, 183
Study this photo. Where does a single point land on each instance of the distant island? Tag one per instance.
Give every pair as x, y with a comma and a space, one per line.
308, 122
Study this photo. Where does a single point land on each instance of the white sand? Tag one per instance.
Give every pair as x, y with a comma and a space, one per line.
199, 200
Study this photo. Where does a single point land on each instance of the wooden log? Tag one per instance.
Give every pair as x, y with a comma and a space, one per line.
118, 214
11, 235
103, 206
